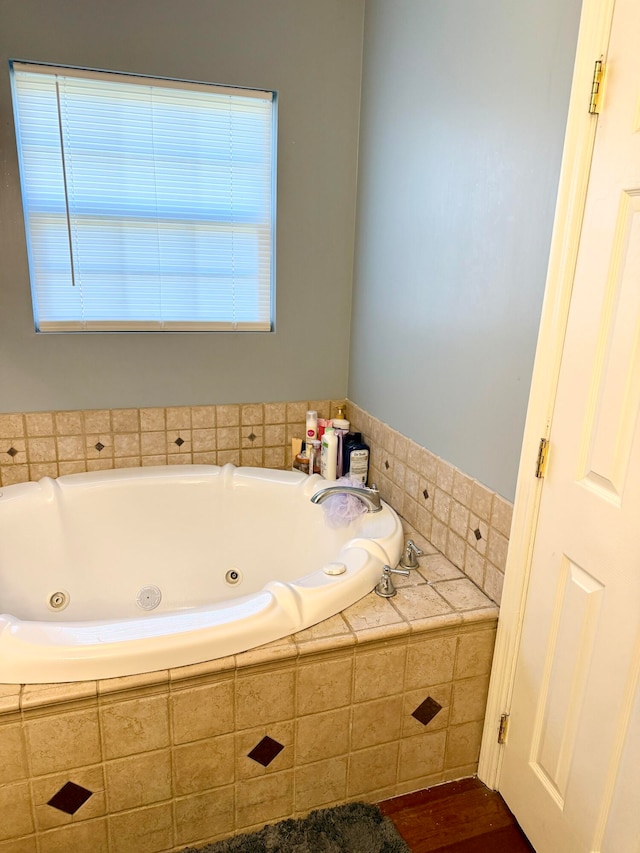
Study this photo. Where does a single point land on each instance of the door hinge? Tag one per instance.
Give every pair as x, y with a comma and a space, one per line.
543, 456
502, 729
594, 103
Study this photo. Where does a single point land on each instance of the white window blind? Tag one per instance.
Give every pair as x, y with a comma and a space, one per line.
149, 204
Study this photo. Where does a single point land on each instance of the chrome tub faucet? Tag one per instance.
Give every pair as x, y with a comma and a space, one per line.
369, 497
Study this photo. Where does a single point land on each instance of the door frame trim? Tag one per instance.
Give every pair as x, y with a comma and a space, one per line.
593, 38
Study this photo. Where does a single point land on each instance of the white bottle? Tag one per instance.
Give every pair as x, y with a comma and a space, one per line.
312, 426
329, 454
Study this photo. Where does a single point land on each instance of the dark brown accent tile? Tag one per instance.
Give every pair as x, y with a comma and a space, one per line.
265, 751
426, 711
70, 797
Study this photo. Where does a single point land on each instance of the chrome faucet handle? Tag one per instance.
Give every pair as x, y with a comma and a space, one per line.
385, 587
409, 559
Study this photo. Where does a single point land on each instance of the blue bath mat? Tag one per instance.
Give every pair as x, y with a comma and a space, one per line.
351, 828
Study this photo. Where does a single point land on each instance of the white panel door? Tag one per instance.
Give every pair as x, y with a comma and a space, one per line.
571, 766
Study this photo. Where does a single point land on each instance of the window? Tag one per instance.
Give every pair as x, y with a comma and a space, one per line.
149, 204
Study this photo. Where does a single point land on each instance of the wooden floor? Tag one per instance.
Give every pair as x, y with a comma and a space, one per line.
458, 817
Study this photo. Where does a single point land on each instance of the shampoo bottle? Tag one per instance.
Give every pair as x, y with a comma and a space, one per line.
356, 459
329, 455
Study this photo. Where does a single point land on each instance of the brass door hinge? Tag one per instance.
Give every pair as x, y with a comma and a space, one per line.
502, 729
543, 455
594, 103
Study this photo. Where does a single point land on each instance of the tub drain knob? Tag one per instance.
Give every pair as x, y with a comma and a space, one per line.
149, 597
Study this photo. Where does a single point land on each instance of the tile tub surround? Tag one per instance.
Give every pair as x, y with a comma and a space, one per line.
385, 698
467, 522
461, 517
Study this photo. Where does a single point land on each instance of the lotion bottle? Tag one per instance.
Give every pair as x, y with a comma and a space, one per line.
329, 455
312, 426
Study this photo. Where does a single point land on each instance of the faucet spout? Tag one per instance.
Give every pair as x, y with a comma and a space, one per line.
369, 497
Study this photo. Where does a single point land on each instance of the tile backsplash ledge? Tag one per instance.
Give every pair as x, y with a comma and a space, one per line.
462, 518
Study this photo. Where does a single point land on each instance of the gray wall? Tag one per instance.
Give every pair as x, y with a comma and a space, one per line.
463, 113
311, 53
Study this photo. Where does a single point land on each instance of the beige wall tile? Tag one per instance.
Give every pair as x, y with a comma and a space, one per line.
228, 438
463, 744
373, 768
63, 741
376, 722
463, 594
444, 476
324, 685
430, 662
153, 443
228, 457
481, 501
68, 423
265, 799
135, 726
320, 784
475, 653
12, 474
153, 420
203, 440
493, 582
252, 414
228, 416
13, 758
441, 505
12, 425
203, 417
205, 817
296, 412
456, 549
321, 736
125, 420
138, 780
462, 488
379, 673
97, 420
145, 830
469, 699
438, 535
497, 549
42, 450
275, 457
251, 458
371, 611
178, 417
127, 462
202, 712
274, 435
264, 698
72, 467
126, 444
203, 764
275, 413
87, 835
501, 515
422, 755
39, 423
474, 564
15, 808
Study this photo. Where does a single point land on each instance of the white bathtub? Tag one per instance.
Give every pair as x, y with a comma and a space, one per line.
128, 571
